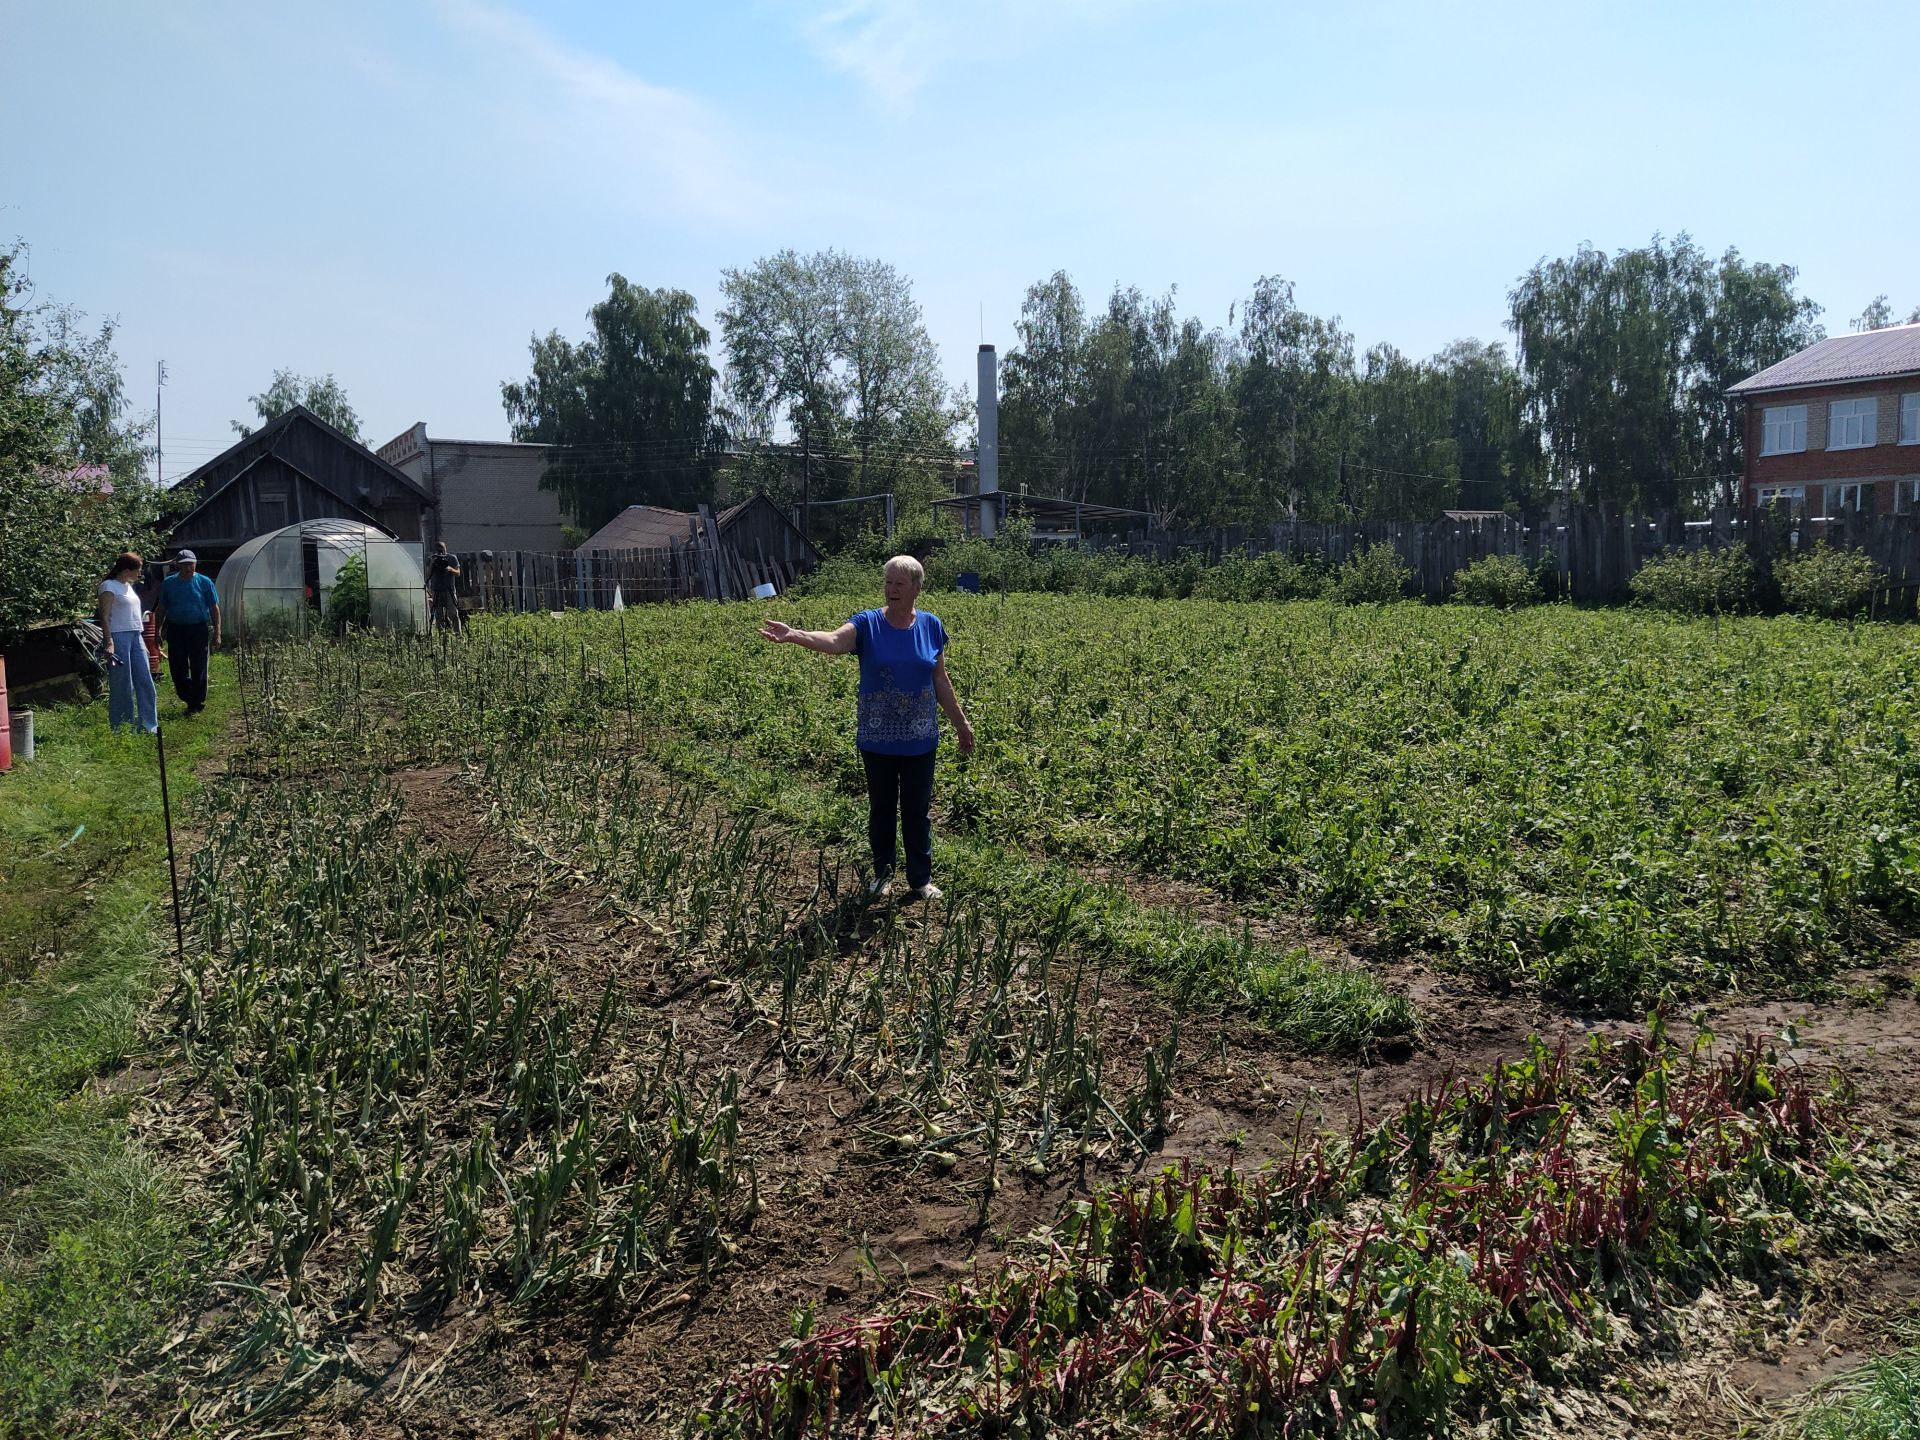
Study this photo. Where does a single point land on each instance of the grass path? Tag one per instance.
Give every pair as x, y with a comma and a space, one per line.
90, 1234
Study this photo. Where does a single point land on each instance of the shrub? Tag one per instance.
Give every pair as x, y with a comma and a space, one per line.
349, 604
1502, 581
1372, 577
1273, 576
1826, 581
1703, 582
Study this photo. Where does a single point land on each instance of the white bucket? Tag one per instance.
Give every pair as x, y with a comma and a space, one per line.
764, 592
21, 727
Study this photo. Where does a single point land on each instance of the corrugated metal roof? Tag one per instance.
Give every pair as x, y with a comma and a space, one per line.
1867, 356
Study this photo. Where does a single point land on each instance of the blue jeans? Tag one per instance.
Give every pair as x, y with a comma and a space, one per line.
901, 784
130, 684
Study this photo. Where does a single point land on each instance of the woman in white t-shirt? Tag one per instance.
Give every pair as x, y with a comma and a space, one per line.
130, 692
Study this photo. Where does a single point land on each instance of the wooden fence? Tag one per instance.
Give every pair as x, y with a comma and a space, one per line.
702, 567
1592, 553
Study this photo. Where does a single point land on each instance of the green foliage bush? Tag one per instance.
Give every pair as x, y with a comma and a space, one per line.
63, 407
349, 604
1703, 582
1013, 562
1502, 581
1826, 581
1372, 576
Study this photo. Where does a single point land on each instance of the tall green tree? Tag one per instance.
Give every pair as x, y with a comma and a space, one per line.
629, 411
833, 347
1498, 453
1046, 438
1294, 382
1625, 360
73, 487
1752, 319
1879, 315
322, 394
1408, 460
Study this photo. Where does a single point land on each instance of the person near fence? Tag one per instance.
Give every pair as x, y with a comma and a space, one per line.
130, 693
903, 686
443, 588
189, 611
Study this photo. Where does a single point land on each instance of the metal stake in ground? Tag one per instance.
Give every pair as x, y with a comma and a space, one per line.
626, 669
173, 868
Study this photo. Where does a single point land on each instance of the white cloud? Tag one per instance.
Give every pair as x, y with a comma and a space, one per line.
893, 47
592, 108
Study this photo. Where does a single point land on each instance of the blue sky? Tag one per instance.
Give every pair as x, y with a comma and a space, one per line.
402, 193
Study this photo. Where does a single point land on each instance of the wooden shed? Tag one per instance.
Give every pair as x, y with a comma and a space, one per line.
756, 531
295, 468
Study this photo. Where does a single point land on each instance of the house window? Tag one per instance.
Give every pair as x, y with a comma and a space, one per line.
1783, 494
1910, 419
1906, 497
1851, 497
1851, 423
1785, 431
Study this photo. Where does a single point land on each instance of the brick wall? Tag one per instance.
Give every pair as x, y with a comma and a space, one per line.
1880, 467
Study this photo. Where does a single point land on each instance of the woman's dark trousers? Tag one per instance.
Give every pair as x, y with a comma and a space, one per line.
187, 647
902, 785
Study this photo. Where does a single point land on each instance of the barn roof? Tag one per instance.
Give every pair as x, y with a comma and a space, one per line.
642, 527
236, 460
1871, 355
654, 527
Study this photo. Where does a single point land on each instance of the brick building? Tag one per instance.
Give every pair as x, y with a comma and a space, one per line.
487, 493
1836, 427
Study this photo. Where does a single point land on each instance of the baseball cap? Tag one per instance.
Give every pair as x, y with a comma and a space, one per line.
187, 555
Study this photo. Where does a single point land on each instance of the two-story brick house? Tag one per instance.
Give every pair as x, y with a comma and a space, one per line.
1837, 427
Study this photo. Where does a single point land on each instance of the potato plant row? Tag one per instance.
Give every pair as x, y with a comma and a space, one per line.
1613, 805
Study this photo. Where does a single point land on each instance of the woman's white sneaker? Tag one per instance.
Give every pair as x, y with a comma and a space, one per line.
879, 887
928, 891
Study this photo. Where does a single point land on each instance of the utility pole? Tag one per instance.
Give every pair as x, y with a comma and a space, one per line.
159, 462
806, 481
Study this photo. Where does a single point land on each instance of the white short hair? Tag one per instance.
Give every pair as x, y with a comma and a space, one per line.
907, 566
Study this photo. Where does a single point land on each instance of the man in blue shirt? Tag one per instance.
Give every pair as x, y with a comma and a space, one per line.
190, 609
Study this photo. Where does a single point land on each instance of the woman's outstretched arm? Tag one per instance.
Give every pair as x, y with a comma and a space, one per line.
943, 692
827, 642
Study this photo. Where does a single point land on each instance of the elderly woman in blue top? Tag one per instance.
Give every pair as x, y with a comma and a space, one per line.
903, 676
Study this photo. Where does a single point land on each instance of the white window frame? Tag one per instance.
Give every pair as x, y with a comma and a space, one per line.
1785, 494
1853, 424
1783, 429
1906, 496
1853, 496
1910, 419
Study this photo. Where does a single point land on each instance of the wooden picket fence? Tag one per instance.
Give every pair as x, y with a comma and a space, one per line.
701, 567
1591, 554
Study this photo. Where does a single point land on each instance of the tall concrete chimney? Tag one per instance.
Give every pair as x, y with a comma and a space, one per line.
989, 397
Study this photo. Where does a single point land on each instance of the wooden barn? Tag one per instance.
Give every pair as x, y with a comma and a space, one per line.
294, 468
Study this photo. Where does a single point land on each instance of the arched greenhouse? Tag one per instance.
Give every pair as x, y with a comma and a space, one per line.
285, 582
